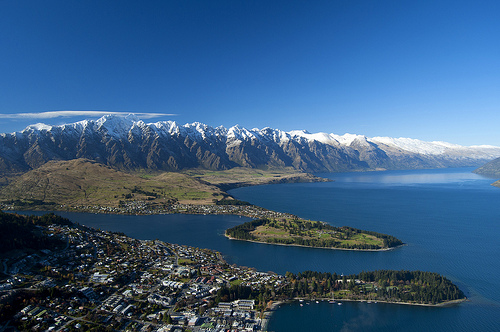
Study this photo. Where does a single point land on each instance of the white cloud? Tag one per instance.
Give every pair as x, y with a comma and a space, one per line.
58, 114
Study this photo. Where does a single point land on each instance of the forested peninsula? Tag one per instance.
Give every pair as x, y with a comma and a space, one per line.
316, 234
408, 287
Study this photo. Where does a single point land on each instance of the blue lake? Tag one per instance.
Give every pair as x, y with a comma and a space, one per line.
449, 219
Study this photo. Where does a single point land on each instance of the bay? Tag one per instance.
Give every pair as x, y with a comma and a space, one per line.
448, 218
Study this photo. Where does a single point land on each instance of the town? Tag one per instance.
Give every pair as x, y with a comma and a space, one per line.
107, 281
138, 207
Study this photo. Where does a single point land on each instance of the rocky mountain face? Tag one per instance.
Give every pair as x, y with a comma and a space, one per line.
128, 143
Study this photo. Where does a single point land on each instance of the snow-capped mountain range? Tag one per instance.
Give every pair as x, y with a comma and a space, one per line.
130, 144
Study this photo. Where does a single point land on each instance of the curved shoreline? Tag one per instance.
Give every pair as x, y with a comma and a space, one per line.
304, 246
276, 305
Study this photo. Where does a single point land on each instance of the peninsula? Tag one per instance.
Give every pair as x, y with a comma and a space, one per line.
316, 234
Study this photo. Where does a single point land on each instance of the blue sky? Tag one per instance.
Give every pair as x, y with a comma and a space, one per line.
422, 69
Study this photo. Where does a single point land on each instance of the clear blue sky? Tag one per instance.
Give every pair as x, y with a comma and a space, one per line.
422, 69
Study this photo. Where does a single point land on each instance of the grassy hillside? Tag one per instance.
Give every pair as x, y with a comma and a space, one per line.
82, 182
85, 182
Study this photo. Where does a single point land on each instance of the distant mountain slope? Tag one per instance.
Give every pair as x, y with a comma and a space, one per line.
130, 144
491, 168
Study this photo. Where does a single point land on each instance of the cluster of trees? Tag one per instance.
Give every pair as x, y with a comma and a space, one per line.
414, 286
321, 243
261, 295
389, 240
18, 232
29, 203
235, 292
382, 285
225, 201
242, 231
146, 193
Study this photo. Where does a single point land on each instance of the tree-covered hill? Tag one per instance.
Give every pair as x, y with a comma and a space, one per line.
20, 232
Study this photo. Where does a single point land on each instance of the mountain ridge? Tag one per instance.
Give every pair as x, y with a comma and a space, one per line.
128, 143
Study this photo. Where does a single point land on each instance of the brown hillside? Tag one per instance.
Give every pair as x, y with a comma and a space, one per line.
86, 182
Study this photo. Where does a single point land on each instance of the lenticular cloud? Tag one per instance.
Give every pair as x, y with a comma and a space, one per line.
68, 113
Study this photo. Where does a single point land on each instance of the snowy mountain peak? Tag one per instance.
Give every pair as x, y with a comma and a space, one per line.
348, 139
415, 145
115, 125
241, 134
38, 127
165, 127
330, 139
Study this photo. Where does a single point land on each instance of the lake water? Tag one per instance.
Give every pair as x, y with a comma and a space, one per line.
449, 219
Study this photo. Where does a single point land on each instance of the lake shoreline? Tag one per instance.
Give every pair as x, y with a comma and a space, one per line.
304, 246
276, 304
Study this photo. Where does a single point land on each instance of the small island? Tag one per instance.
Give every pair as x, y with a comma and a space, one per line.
316, 234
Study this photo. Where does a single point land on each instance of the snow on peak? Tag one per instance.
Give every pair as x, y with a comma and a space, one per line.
415, 145
38, 127
439, 148
197, 129
113, 119
221, 131
347, 138
238, 133
169, 127
330, 139
115, 125
301, 133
